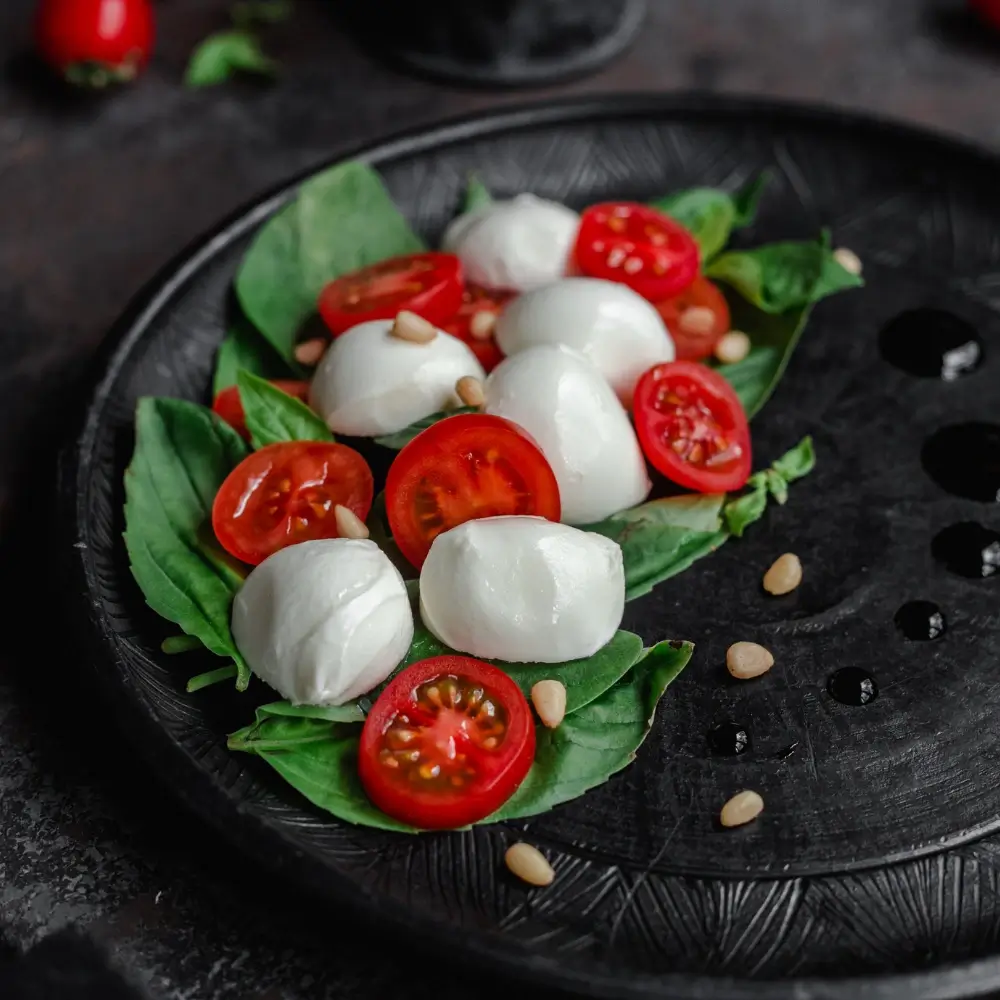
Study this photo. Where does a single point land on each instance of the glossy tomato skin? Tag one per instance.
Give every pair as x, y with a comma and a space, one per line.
286, 493
638, 246
428, 284
701, 293
692, 427
447, 743
95, 41
464, 467
227, 404
476, 299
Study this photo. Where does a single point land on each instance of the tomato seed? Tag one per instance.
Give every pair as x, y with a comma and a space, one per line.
309, 352
744, 807
482, 323
784, 575
549, 699
409, 326
848, 260
349, 525
732, 347
529, 864
747, 659
470, 391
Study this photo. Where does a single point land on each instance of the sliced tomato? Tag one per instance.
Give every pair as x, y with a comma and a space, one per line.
637, 245
475, 300
229, 406
692, 427
463, 467
447, 743
692, 340
286, 493
429, 284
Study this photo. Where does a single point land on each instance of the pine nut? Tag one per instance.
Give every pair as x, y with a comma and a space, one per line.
549, 699
349, 525
742, 808
784, 575
732, 347
470, 391
747, 659
409, 326
529, 864
309, 352
848, 260
482, 324
698, 321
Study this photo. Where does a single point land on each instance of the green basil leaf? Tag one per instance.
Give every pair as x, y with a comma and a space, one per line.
740, 513
183, 452
343, 219
747, 200
174, 644
380, 534
244, 348
777, 486
477, 195
221, 56
273, 416
798, 461
326, 713
201, 681
400, 439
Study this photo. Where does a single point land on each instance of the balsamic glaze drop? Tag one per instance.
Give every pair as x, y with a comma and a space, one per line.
920, 621
729, 739
852, 686
968, 549
964, 459
931, 343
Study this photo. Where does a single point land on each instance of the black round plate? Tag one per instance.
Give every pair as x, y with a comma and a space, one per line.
874, 868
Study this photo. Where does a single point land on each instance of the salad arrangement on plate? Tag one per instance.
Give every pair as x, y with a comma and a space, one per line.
448, 648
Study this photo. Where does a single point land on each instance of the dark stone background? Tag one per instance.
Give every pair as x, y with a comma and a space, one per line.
95, 196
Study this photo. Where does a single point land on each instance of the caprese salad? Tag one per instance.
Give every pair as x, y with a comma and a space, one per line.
447, 647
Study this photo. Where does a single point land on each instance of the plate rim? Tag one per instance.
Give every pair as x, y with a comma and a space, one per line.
255, 837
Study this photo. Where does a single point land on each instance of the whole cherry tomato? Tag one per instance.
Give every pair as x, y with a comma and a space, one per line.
95, 42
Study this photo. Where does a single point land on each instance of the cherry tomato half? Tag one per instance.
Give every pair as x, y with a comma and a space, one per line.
692, 342
637, 245
429, 284
229, 406
95, 42
461, 468
447, 743
286, 493
692, 427
476, 299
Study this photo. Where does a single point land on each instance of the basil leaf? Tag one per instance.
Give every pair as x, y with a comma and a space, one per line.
201, 681
183, 452
174, 644
782, 276
342, 220
379, 533
221, 56
477, 195
244, 348
247, 12
272, 416
746, 201
743, 511
325, 713
798, 461
400, 439
592, 744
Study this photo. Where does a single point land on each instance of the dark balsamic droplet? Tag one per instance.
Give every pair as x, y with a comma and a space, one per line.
968, 549
964, 459
920, 620
852, 686
931, 343
729, 739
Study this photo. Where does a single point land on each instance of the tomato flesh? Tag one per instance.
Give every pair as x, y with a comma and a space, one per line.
448, 741
637, 245
286, 493
694, 344
464, 467
692, 427
476, 299
229, 406
428, 284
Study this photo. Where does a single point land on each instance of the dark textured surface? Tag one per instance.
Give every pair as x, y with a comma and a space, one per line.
95, 196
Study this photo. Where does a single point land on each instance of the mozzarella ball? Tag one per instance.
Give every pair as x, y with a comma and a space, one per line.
523, 589
323, 622
565, 404
370, 382
614, 328
518, 244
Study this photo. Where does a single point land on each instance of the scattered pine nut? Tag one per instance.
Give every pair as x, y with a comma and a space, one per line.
747, 659
309, 352
742, 808
409, 326
732, 347
848, 260
529, 864
698, 321
349, 525
784, 575
470, 391
549, 699
482, 324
